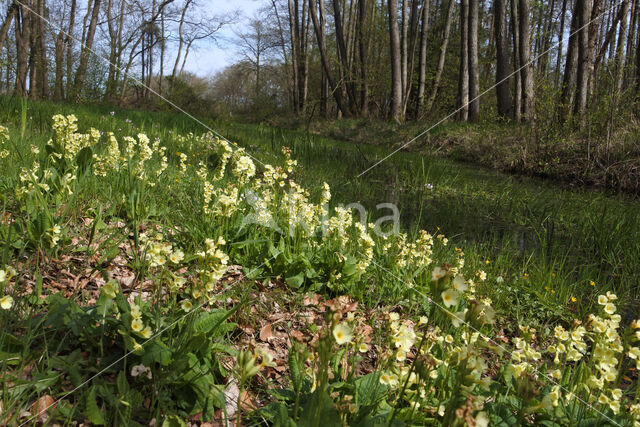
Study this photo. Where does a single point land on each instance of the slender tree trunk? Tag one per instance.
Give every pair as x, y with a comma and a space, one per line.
293, 36
396, 60
363, 48
474, 72
515, 31
325, 61
344, 56
628, 59
622, 39
23, 35
442, 56
563, 14
58, 93
404, 31
70, 40
584, 12
4, 30
543, 58
503, 94
181, 41
422, 73
463, 76
324, 88
526, 69
86, 51
570, 69
593, 39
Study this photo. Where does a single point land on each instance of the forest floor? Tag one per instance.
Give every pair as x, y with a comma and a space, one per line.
151, 274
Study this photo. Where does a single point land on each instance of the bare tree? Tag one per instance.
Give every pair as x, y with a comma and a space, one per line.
526, 69
503, 95
463, 75
441, 57
474, 73
396, 68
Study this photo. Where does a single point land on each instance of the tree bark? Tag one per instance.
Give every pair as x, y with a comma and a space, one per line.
622, 39
325, 61
23, 36
6, 25
474, 72
422, 72
503, 94
563, 14
463, 75
441, 58
525, 68
86, 51
515, 31
70, 40
58, 93
570, 69
396, 67
363, 48
584, 12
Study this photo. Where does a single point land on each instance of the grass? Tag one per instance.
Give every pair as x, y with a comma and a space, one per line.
100, 260
562, 238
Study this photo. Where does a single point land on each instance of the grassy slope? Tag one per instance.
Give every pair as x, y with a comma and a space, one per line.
551, 241
547, 242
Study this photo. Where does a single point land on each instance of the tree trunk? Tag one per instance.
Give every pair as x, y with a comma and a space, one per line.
621, 44
86, 51
593, 40
58, 93
324, 84
422, 73
4, 30
515, 31
560, 38
396, 67
584, 12
23, 36
70, 40
363, 48
463, 75
474, 73
526, 70
404, 31
570, 69
503, 94
441, 57
343, 56
325, 61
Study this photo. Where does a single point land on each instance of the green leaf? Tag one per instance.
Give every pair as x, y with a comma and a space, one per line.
92, 411
501, 415
369, 390
173, 421
123, 385
296, 281
158, 352
84, 158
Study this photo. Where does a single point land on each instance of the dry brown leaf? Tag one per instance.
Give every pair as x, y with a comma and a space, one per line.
42, 406
266, 333
297, 335
313, 299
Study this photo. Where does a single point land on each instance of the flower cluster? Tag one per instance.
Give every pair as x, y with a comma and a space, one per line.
4, 138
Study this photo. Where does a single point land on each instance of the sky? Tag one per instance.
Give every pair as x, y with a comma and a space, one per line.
209, 58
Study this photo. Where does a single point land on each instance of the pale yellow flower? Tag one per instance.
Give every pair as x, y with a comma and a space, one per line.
342, 333
186, 305
450, 298
6, 302
137, 325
